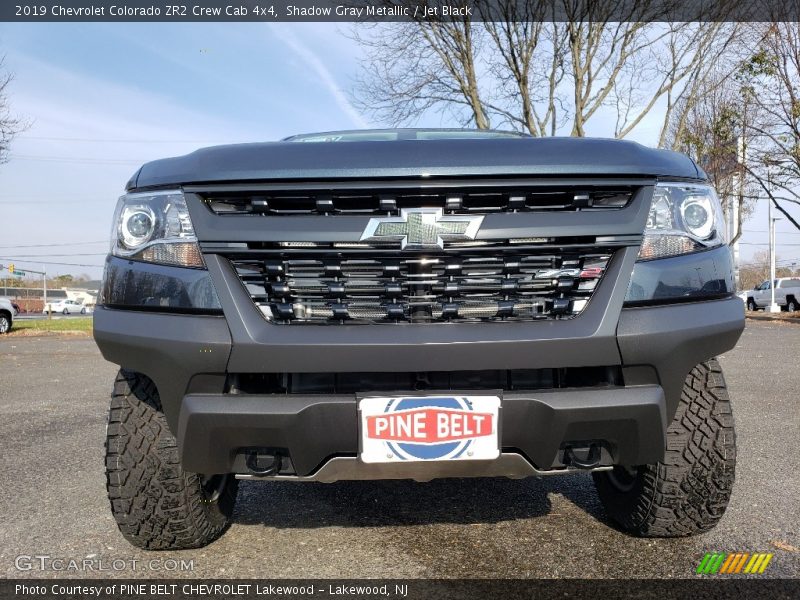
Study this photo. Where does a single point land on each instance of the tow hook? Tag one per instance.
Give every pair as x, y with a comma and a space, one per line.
591, 460
268, 471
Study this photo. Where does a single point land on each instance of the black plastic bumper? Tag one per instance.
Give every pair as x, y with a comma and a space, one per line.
215, 429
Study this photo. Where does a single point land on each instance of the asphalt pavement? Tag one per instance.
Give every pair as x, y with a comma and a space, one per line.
54, 393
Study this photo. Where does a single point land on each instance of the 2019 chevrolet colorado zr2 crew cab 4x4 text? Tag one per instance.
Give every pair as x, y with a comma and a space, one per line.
418, 304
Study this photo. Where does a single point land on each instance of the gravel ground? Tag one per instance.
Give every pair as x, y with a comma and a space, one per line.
53, 401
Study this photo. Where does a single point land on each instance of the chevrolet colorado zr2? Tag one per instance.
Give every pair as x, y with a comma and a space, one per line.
418, 304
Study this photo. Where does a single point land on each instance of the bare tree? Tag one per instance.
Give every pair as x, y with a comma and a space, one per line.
537, 65
718, 48
10, 125
600, 48
690, 57
529, 64
715, 128
775, 68
757, 270
413, 68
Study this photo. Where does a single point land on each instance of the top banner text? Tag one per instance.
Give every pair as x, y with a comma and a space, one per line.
597, 11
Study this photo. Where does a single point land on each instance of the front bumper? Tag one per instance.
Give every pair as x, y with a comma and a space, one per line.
188, 358
214, 430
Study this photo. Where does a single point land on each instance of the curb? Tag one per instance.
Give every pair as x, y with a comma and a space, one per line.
781, 317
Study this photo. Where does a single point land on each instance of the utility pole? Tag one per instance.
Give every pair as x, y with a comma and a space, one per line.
44, 287
773, 308
43, 273
736, 206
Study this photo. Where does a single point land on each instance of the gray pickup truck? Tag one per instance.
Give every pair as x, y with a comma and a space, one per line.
418, 304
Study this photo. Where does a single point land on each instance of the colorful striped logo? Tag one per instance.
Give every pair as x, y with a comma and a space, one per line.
734, 563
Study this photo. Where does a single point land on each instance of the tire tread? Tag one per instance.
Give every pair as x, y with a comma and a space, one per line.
687, 493
156, 504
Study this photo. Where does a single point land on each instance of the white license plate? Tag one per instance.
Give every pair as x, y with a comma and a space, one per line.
427, 428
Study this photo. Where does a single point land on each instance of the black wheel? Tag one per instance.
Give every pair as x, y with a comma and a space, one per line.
689, 491
83, 311
5, 323
792, 305
751, 304
158, 505
65, 312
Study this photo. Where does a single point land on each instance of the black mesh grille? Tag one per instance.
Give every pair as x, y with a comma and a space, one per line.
508, 284
389, 202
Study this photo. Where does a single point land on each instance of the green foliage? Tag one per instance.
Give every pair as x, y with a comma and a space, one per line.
760, 64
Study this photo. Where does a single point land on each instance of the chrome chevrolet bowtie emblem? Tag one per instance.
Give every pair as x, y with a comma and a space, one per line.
422, 228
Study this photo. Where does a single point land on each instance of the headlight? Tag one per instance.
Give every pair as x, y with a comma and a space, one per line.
155, 227
684, 217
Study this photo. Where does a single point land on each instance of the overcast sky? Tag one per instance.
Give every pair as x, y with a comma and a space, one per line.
103, 98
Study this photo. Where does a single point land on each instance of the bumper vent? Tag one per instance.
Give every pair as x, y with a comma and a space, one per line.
353, 383
510, 284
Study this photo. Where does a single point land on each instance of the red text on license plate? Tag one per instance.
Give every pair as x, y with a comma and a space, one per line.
429, 425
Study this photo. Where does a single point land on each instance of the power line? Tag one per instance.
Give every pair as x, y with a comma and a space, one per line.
778, 233
51, 199
72, 205
124, 141
80, 160
42, 262
22, 256
48, 194
54, 245
765, 244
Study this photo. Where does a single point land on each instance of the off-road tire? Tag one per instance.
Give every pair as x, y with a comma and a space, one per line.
158, 505
751, 305
792, 305
689, 491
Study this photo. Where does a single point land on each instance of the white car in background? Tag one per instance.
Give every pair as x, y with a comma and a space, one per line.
65, 307
787, 294
7, 313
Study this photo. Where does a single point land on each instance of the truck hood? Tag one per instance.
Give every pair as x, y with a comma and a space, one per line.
287, 160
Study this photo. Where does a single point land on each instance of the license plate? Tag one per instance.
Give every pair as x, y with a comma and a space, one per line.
428, 428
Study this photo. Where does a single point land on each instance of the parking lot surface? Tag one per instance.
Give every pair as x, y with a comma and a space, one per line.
53, 399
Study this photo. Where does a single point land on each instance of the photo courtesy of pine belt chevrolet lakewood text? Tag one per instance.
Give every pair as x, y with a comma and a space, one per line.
418, 304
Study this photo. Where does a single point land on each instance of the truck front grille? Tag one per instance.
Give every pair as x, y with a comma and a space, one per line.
488, 199
492, 284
